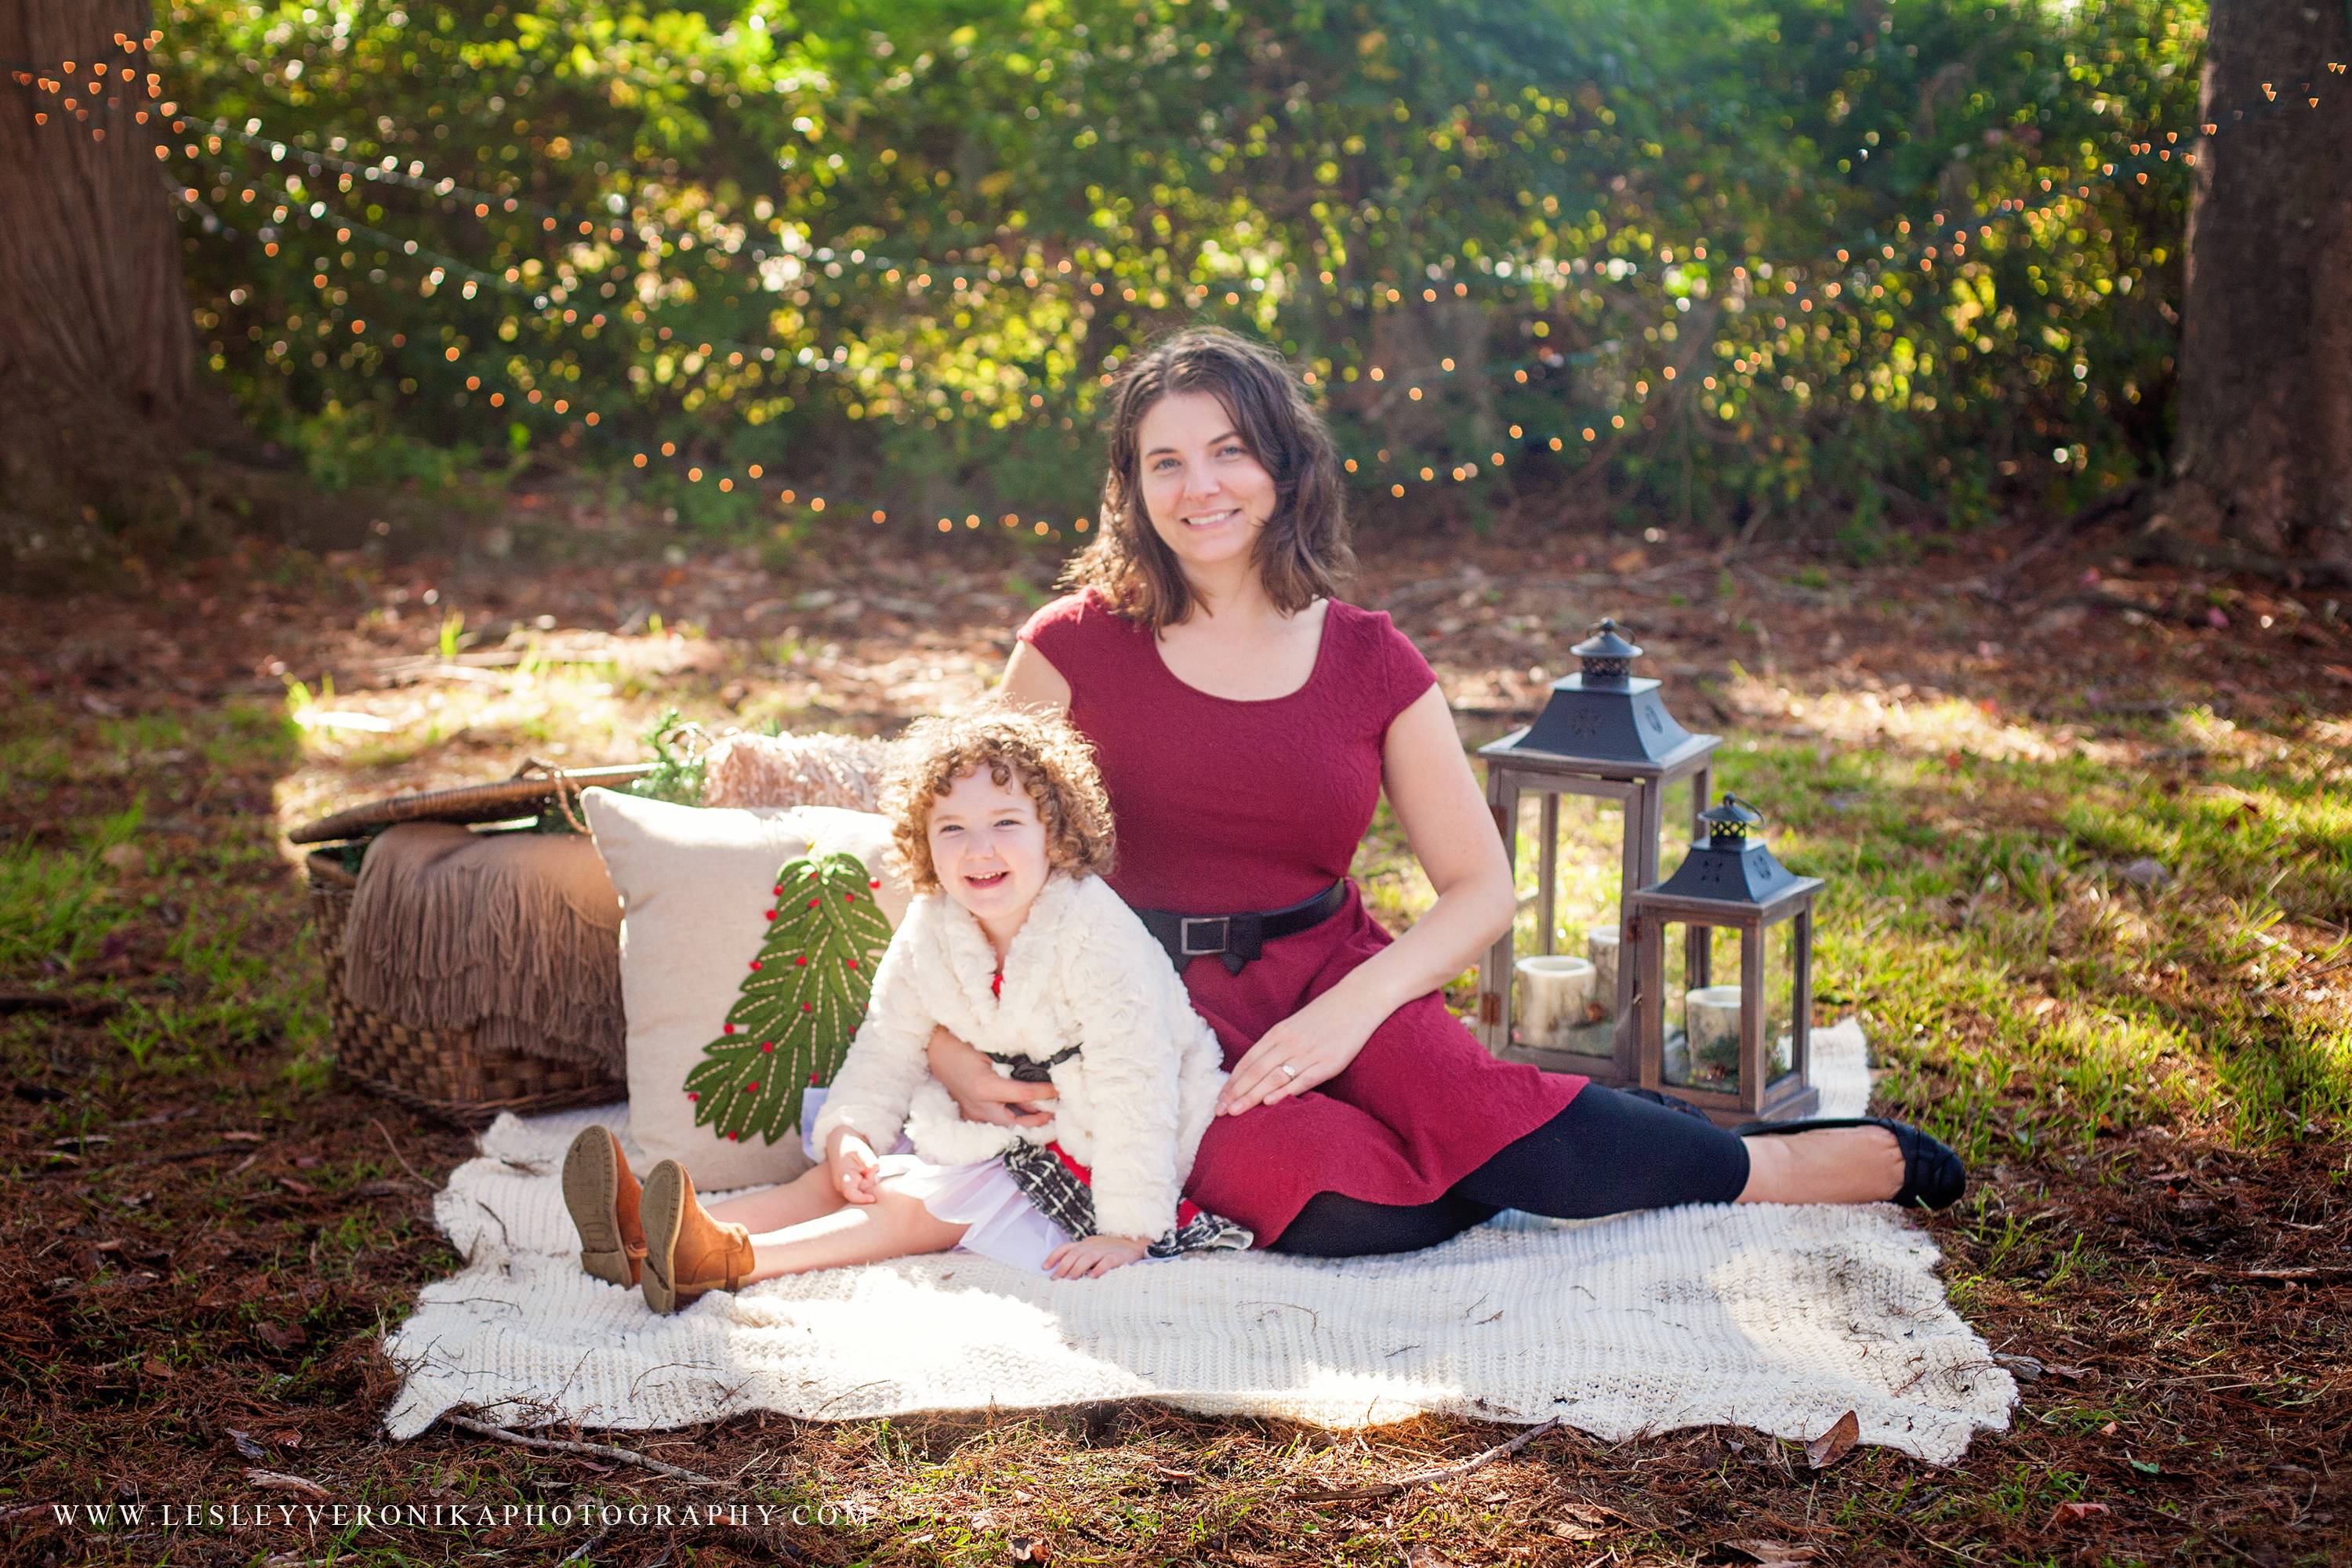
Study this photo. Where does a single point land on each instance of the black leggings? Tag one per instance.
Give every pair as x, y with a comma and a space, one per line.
1603, 1154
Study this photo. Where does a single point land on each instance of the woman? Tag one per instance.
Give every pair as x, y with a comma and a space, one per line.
1246, 720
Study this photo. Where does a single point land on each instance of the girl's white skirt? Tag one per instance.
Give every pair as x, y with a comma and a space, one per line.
1003, 1222
1000, 1222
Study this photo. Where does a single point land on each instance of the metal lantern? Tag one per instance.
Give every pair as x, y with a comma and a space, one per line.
1726, 1054
1605, 733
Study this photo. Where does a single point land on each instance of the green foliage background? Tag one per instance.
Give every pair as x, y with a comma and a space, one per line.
896, 245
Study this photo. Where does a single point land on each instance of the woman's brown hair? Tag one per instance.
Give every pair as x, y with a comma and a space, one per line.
1302, 552
1052, 762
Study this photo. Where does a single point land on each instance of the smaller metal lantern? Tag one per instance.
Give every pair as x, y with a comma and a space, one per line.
1725, 1057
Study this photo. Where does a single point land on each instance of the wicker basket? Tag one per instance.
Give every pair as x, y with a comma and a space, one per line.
446, 1073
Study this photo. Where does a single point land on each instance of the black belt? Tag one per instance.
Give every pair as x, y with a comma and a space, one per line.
1237, 939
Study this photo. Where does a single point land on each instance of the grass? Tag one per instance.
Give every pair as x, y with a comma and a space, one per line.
2151, 1082
1980, 915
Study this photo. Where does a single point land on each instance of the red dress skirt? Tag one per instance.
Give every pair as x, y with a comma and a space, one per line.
1223, 806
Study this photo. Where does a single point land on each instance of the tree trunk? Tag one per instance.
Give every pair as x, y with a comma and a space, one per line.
97, 353
2262, 471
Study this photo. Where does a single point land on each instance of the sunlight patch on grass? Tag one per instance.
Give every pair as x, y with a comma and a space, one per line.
467, 732
177, 924
56, 908
2022, 970
1927, 725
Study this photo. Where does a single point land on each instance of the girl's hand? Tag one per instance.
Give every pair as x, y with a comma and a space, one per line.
849, 1161
1320, 1039
980, 1092
1095, 1256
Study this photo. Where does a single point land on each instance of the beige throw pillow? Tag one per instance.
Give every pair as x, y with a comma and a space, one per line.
697, 885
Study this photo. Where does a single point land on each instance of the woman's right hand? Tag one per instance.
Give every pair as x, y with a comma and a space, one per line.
980, 1092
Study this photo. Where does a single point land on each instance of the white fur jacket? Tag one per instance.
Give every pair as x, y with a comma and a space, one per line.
1082, 971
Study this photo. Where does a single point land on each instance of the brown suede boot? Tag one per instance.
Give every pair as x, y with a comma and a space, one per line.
604, 1199
687, 1251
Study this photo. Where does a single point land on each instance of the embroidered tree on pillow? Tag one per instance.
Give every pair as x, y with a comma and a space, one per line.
800, 1006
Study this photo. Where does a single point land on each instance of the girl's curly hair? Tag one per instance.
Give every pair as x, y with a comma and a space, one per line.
1051, 760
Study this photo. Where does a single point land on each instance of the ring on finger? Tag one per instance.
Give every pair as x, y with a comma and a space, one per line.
1289, 1071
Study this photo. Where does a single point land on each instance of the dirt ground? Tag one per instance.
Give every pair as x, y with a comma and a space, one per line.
208, 1234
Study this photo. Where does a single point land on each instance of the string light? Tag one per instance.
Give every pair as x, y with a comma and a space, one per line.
1619, 267
346, 227
1550, 271
554, 219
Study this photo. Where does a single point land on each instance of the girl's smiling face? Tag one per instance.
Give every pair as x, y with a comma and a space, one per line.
1206, 496
988, 846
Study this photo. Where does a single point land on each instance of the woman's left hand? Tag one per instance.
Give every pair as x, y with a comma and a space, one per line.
1319, 1041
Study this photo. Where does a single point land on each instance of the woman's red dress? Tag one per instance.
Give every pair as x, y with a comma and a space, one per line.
1223, 806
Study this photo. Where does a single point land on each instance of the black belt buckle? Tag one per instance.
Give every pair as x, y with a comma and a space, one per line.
1224, 925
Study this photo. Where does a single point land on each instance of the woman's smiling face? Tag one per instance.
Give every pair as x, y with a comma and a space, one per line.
1206, 496
988, 846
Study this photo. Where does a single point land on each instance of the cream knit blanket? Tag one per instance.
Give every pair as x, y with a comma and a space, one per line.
1776, 1318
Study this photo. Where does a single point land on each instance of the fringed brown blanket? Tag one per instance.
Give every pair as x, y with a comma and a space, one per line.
513, 935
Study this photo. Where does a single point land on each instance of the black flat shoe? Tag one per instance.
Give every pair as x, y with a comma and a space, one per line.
1670, 1102
1933, 1177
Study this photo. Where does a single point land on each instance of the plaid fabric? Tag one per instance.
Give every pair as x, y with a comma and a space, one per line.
1028, 1069
1060, 1188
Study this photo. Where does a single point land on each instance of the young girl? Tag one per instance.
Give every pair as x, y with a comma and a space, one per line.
1016, 943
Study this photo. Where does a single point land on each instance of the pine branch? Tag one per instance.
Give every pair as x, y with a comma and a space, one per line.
802, 1004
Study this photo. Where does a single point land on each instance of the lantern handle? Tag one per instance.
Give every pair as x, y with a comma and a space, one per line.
1733, 813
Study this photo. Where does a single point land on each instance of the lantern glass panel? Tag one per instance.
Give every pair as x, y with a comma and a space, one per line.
1555, 1007
1779, 998
1702, 1007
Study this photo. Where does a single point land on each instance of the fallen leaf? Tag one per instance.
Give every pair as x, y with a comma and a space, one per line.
289, 1438
299, 1189
247, 1449
241, 1137
281, 1336
2076, 1512
1028, 1548
1773, 1553
1834, 1444
1628, 561
2072, 1373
